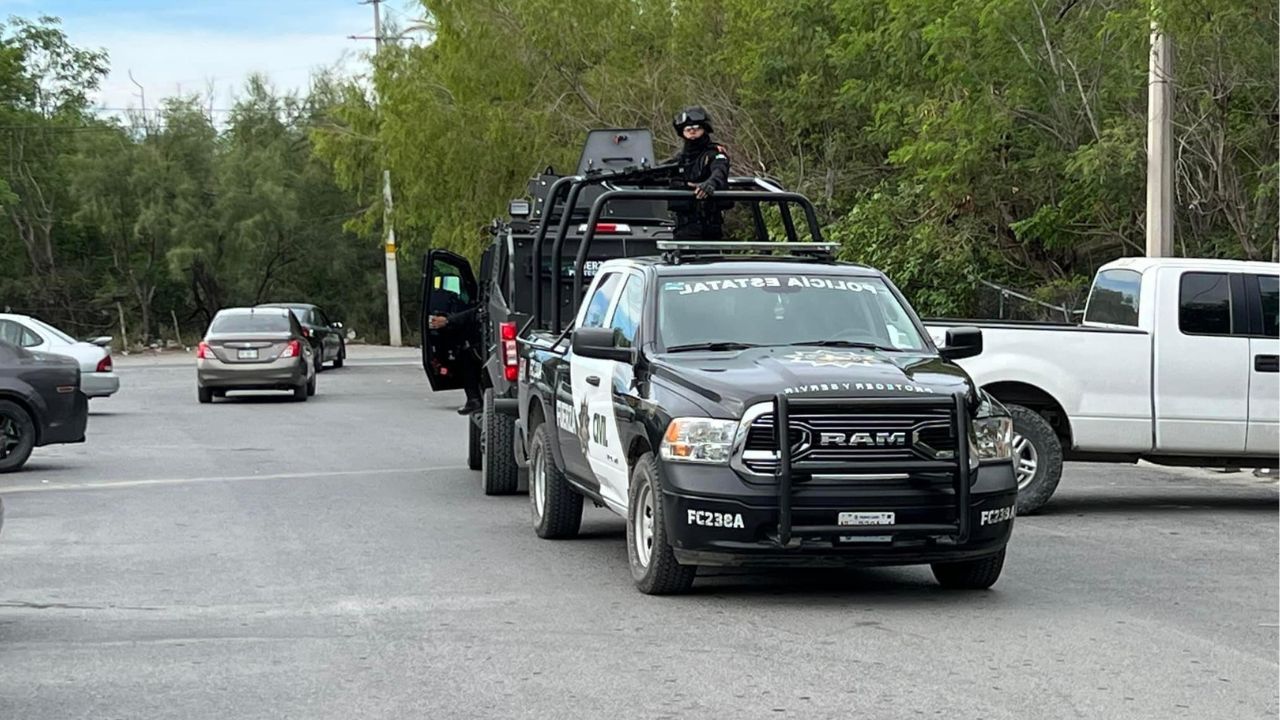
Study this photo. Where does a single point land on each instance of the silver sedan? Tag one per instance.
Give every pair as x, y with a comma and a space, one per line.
254, 349
97, 373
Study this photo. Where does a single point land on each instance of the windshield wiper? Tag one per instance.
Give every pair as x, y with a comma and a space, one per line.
848, 344
723, 345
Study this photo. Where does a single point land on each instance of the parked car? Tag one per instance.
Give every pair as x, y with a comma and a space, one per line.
1177, 362
40, 403
255, 349
97, 374
327, 338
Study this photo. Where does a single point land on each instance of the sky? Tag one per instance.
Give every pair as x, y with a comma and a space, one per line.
188, 46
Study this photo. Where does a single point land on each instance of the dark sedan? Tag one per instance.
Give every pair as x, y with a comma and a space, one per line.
40, 403
328, 338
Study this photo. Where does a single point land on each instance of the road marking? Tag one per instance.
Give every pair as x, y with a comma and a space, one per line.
113, 484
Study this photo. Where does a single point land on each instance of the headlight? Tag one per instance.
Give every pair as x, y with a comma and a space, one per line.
699, 440
991, 438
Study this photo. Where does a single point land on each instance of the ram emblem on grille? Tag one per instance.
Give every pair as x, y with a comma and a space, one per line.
862, 439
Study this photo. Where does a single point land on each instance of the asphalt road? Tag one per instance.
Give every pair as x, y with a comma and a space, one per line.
335, 559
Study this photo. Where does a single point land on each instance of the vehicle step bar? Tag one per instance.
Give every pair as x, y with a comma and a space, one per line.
958, 466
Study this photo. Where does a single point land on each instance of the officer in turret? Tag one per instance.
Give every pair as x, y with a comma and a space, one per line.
703, 166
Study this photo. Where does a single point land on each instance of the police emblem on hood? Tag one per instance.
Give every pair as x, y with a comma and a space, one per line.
828, 358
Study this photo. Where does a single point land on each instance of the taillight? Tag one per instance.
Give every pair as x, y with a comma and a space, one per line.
608, 228
293, 349
104, 365
203, 352
306, 332
510, 358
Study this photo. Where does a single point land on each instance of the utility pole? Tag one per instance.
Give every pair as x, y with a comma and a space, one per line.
389, 241
1159, 143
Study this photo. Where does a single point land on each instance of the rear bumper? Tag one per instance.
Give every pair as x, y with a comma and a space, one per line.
70, 426
277, 374
740, 528
99, 384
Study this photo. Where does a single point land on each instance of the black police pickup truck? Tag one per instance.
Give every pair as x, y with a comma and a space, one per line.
763, 409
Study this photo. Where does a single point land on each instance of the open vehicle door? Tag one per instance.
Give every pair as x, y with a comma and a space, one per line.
448, 286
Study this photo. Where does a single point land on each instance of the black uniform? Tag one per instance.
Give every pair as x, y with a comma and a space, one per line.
705, 163
466, 324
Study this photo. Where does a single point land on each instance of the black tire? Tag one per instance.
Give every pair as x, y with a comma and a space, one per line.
977, 574
500, 473
342, 354
311, 386
204, 395
300, 393
475, 447
1047, 454
317, 356
556, 507
661, 574
17, 436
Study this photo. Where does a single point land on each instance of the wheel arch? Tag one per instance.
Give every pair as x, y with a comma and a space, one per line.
28, 407
1037, 400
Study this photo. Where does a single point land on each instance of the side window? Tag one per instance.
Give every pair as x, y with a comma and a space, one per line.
599, 303
449, 279
1114, 298
11, 332
626, 317
1269, 288
1204, 304
320, 318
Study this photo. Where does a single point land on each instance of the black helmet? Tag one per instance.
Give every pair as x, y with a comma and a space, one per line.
695, 115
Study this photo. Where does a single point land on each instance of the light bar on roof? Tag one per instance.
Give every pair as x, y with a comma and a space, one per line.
730, 245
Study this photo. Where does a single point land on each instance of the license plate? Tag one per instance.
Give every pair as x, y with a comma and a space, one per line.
865, 519
247, 354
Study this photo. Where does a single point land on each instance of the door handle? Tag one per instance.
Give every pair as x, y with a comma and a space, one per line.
1266, 363
593, 380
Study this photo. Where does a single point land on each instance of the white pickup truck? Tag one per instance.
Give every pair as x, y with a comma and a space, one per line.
1177, 362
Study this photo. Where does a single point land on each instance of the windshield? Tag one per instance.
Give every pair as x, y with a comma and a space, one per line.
257, 322
782, 309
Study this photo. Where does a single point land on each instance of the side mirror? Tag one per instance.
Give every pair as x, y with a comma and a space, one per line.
602, 344
962, 342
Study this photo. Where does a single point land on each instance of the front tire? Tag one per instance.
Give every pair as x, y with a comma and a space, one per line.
342, 355
977, 574
555, 505
498, 461
17, 436
1037, 458
653, 564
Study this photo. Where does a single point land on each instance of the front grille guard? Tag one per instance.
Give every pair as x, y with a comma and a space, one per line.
958, 466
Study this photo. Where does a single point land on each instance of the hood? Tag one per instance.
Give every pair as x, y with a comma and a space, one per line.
736, 380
